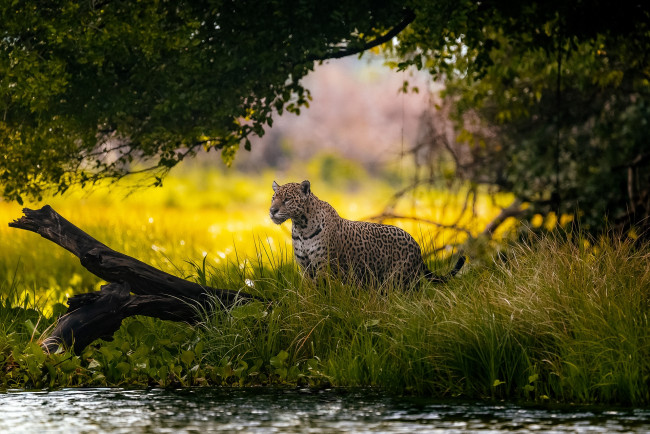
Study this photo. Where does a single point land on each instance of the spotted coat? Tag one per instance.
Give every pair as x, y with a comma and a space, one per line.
325, 242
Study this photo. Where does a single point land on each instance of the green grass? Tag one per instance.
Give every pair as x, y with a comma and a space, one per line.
554, 319
560, 320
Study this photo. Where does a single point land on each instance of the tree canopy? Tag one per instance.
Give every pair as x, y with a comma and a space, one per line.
101, 89
550, 102
88, 89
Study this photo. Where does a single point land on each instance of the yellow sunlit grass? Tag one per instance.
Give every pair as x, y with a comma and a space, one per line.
221, 215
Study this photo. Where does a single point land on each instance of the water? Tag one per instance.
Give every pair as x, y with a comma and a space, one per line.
268, 410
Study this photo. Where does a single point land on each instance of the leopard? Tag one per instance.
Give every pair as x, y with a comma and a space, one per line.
324, 243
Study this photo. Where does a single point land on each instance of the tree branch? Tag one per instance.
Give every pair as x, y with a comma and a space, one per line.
385, 216
408, 19
513, 210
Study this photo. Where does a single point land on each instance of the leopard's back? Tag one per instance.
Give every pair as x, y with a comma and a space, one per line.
377, 251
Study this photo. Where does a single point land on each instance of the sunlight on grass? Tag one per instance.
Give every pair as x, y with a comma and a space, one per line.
201, 213
558, 318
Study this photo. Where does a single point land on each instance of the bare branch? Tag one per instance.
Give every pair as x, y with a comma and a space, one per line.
400, 193
513, 210
386, 216
470, 193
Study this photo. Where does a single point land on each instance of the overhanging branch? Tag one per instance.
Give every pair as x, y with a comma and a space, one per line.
408, 19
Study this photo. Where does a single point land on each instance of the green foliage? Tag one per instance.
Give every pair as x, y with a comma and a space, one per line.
444, 30
92, 90
549, 101
583, 154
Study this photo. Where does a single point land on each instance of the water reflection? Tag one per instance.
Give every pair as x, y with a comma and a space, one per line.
264, 410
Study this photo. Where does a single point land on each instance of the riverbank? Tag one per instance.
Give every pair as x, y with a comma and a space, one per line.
553, 320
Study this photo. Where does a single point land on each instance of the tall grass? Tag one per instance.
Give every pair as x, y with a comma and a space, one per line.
199, 213
559, 320
553, 319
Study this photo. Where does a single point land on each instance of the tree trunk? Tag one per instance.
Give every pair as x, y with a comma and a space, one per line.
134, 288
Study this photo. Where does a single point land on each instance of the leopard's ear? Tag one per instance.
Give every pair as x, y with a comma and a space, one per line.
275, 186
304, 185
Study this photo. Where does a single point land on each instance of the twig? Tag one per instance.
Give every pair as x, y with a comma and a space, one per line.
386, 216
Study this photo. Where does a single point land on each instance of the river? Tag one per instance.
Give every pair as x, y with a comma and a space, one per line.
273, 410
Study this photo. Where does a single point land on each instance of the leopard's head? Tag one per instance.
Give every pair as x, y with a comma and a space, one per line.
289, 201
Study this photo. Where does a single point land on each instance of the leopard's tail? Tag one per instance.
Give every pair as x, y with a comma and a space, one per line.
434, 278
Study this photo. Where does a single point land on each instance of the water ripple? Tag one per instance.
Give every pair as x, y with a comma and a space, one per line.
272, 410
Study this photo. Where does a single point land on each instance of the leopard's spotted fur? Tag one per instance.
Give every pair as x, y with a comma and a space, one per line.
323, 241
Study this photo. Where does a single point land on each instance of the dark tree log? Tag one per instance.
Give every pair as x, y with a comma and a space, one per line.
134, 288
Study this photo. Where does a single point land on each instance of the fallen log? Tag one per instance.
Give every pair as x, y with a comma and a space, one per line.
134, 288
